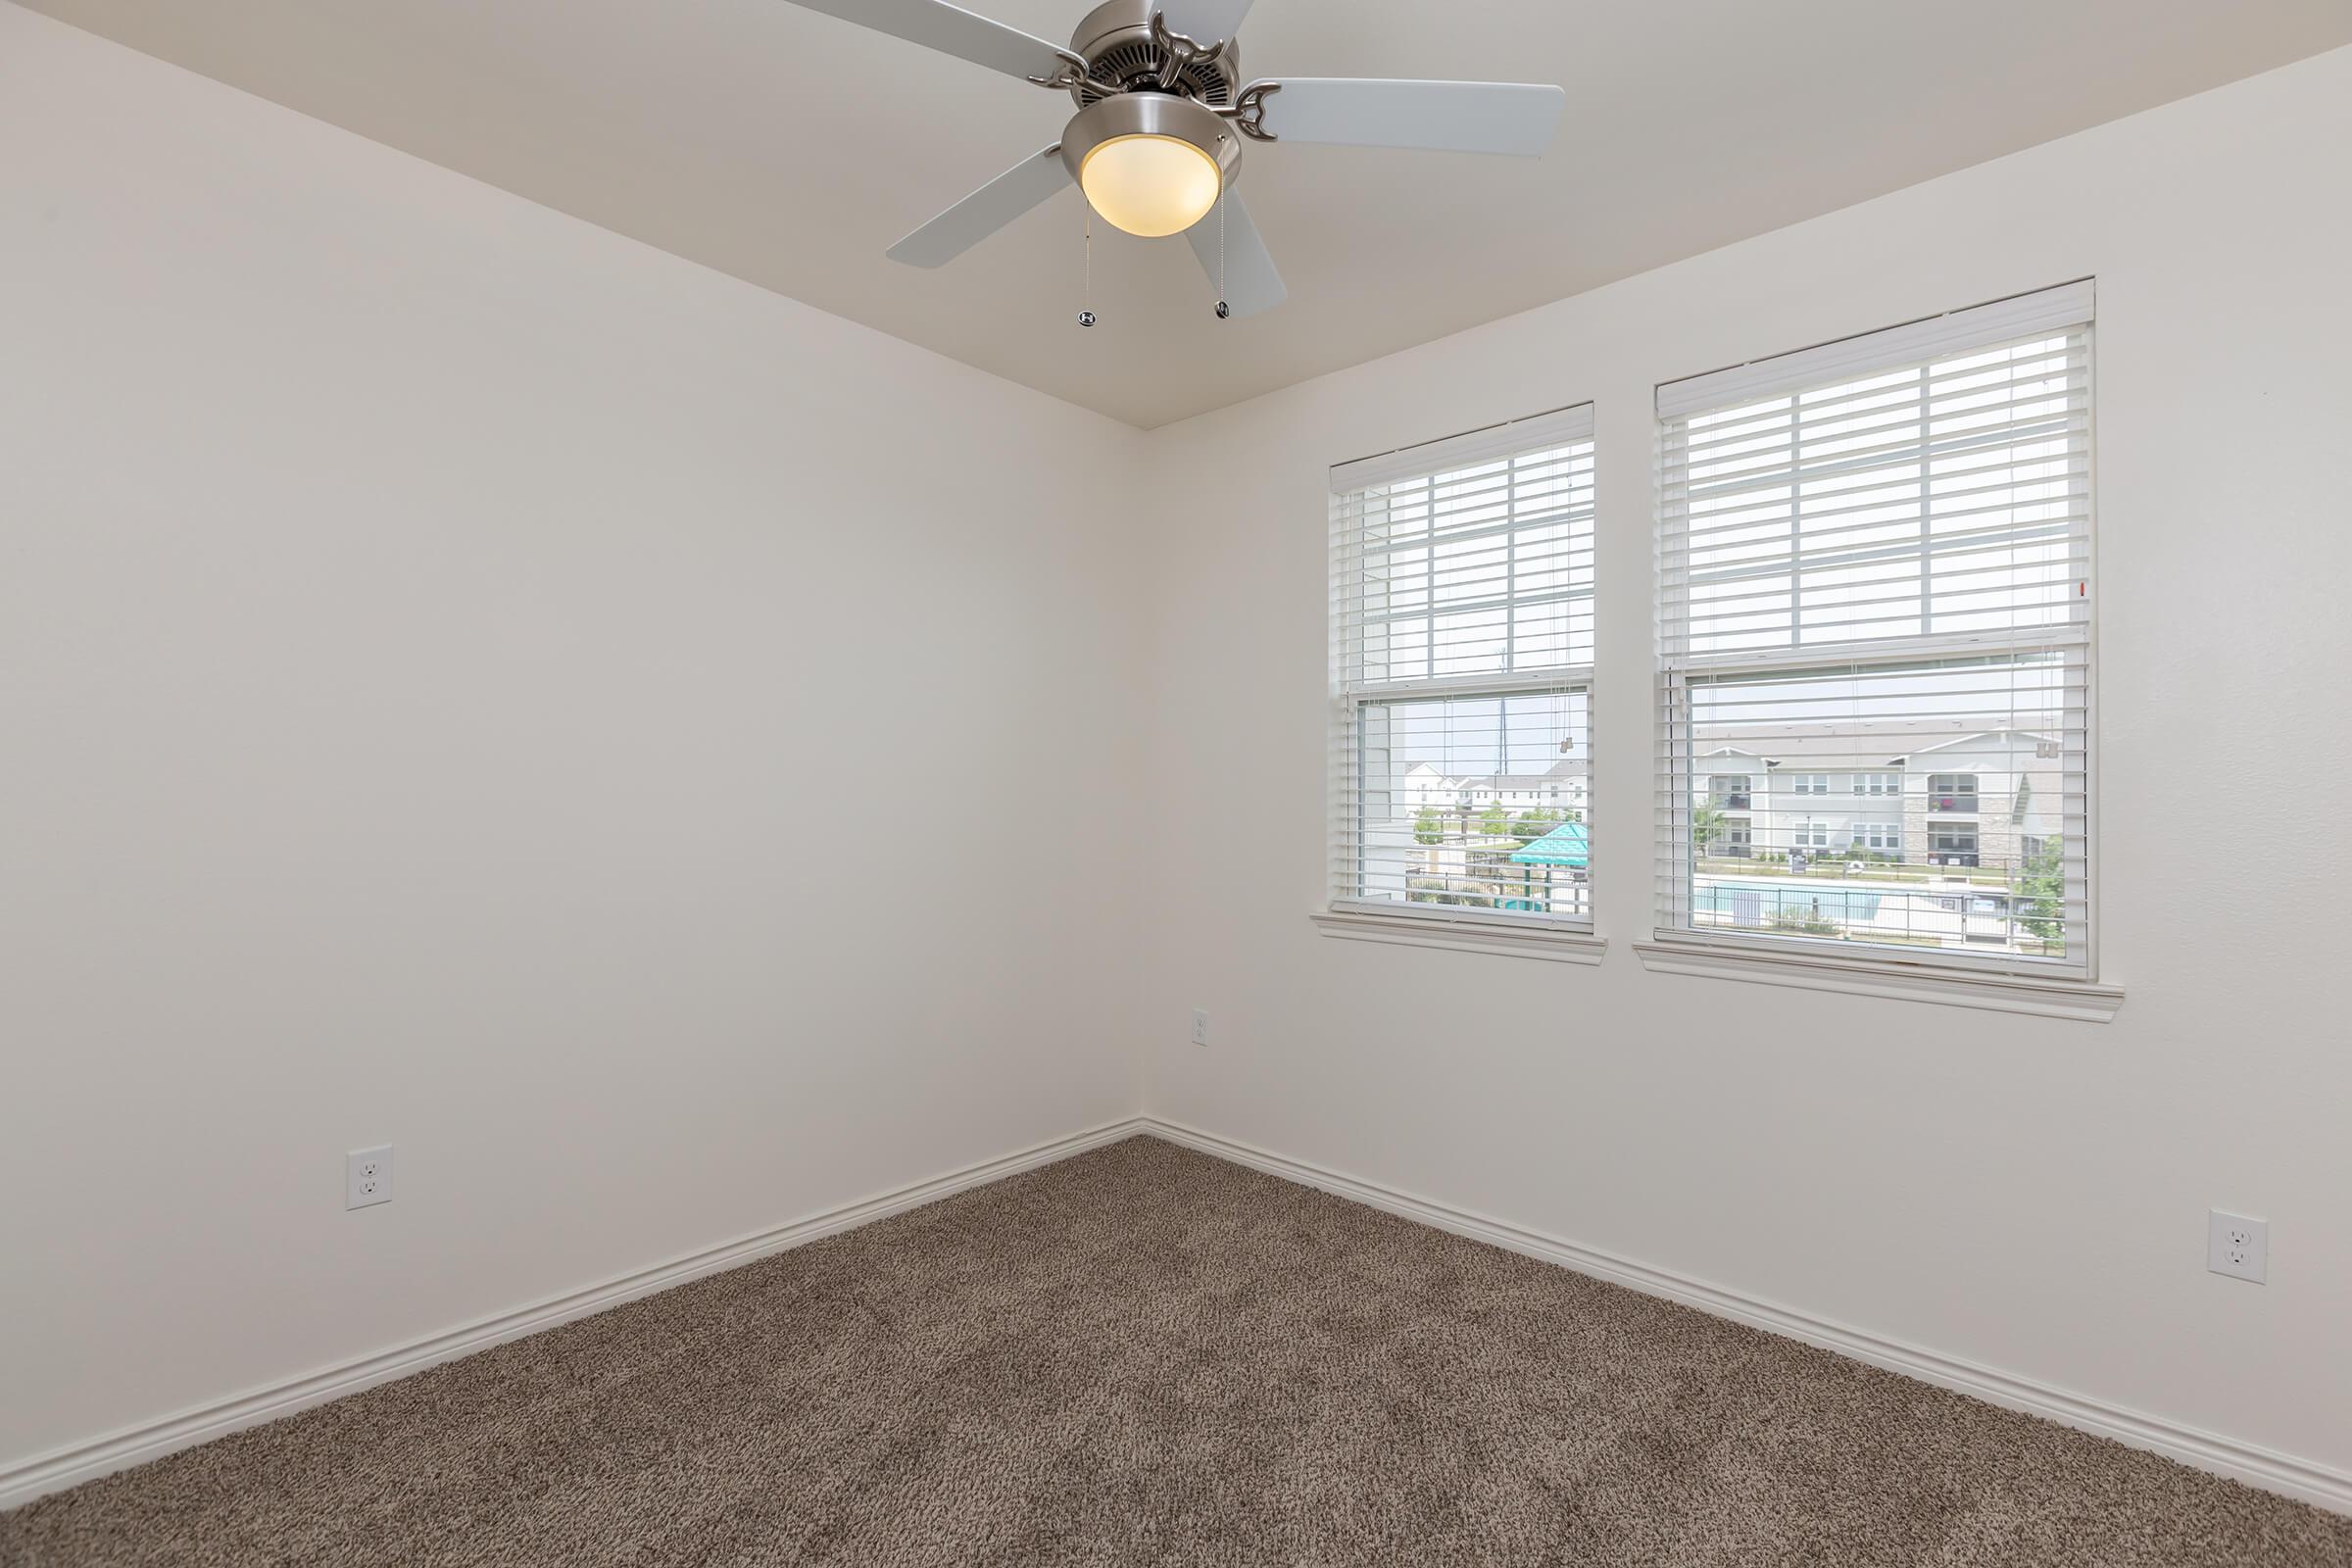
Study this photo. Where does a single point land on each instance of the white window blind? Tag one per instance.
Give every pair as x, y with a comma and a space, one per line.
1461, 647
1875, 568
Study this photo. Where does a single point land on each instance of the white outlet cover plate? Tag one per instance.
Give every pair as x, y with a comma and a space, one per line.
368, 1177
2238, 1245
1199, 1026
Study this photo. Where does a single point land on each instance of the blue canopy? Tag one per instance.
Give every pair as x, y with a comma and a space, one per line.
1565, 845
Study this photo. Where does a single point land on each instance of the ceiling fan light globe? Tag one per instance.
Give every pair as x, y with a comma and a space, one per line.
1151, 163
1151, 185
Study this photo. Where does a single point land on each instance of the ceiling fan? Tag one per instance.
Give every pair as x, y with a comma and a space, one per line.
1162, 113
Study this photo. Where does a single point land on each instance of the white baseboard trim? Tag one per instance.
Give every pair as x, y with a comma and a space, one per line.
2304, 1479
24, 1480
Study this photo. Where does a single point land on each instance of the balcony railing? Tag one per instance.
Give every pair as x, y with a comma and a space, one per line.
1964, 804
1729, 800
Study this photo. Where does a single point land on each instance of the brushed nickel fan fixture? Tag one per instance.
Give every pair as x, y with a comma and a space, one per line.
1156, 143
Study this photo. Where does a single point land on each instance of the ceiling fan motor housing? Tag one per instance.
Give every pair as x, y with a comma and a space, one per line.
1151, 114
1134, 86
1121, 55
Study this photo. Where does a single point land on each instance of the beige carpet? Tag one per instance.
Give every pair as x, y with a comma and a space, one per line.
1146, 1355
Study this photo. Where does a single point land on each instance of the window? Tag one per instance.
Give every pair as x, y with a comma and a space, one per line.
1953, 792
1952, 844
1729, 791
1461, 638
1875, 556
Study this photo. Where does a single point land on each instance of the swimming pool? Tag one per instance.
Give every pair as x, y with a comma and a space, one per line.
1762, 902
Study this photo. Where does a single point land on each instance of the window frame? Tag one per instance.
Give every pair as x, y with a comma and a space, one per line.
2068, 988
1347, 913
1968, 787
1732, 796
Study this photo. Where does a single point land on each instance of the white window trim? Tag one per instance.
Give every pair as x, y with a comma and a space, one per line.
1518, 937
1953, 978
1813, 966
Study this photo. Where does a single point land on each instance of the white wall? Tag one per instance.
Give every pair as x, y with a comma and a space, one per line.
472, 681
2023, 1192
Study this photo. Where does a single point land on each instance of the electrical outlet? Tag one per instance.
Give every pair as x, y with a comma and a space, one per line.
2238, 1247
1199, 1026
368, 1177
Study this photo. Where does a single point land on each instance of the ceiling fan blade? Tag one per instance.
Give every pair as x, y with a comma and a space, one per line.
1251, 284
1204, 21
950, 30
985, 211
1459, 117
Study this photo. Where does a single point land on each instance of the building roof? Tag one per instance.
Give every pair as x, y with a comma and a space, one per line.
1526, 781
1559, 772
1870, 743
1565, 845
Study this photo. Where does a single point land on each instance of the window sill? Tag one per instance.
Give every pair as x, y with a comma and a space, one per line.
1879, 977
1464, 936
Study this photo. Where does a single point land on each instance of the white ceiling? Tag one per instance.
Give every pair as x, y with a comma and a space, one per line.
790, 148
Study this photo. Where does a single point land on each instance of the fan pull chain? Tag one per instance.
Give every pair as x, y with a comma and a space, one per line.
1223, 310
1086, 310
